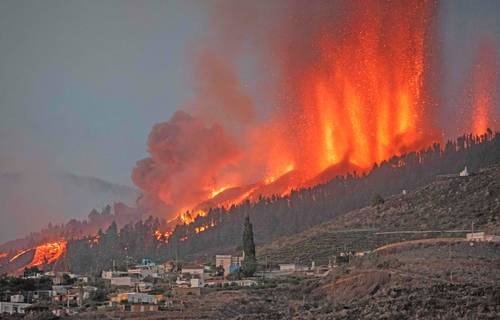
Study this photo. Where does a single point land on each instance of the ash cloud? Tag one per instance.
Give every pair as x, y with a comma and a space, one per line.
186, 159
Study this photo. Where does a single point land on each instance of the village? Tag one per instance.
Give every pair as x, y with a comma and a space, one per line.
146, 287
150, 286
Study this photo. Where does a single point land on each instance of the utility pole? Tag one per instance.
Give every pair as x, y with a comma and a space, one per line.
449, 258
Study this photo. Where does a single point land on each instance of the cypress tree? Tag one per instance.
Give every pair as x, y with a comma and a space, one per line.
249, 265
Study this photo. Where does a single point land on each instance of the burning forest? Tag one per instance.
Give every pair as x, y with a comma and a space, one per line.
353, 84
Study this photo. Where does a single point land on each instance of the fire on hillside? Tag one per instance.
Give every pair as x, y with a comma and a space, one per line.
354, 92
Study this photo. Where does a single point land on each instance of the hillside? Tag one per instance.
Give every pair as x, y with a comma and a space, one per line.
277, 216
446, 207
442, 276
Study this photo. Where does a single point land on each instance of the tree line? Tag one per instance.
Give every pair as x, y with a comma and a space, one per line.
277, 216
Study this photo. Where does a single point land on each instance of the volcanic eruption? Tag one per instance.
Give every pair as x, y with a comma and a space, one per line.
344, 85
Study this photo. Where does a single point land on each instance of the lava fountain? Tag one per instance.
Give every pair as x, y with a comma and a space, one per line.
352, 90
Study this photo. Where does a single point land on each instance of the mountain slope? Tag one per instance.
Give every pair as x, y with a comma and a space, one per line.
446, 207
277, 216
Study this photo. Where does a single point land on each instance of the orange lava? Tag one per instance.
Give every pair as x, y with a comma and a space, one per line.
484, 81
48, 253
362, 100
18, 255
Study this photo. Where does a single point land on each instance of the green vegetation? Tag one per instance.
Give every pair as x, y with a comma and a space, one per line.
249, 265
377, 200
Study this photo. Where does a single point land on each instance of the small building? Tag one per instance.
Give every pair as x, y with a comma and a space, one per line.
60, 290
133, 298
289, 267
39, 295
464, 172
17, 298
481, 236
113, 274
475, 236
123, 281
197, 283
193, 270
228, 262
239, 283
361, 253
140, 307
13, 307
168, 266
143, 272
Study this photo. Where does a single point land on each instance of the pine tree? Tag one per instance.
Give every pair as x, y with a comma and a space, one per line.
249, 265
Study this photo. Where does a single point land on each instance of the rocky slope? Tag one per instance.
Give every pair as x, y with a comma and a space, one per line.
447, 204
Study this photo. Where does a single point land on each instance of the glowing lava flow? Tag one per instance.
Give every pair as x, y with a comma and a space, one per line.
48, 253
19, 254
484, 80
363, 102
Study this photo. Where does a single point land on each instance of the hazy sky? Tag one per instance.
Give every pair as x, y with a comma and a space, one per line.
82, 82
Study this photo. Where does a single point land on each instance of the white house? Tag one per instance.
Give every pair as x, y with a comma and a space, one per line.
481, 236
197, 283
199, 270
112, 274
288, 267
17, 298
464, 172
123, 281
13, 307
139, 297
134, 298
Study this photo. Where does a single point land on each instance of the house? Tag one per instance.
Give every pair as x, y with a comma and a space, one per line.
13, 307
17, 298
193, 269
464, 172
228, 262
140, 307
123, 281
197, 283
144, 286
168, 266
143, 272
288, 267
113, 274
481, 236
16, 305
239, 283
39, 295
147, 268
60, 290
134, 298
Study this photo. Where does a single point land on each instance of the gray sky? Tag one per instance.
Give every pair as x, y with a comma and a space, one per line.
82, 82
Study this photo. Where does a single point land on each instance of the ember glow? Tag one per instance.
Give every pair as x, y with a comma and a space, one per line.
351, 93
48, 253
484, 82
365, 100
